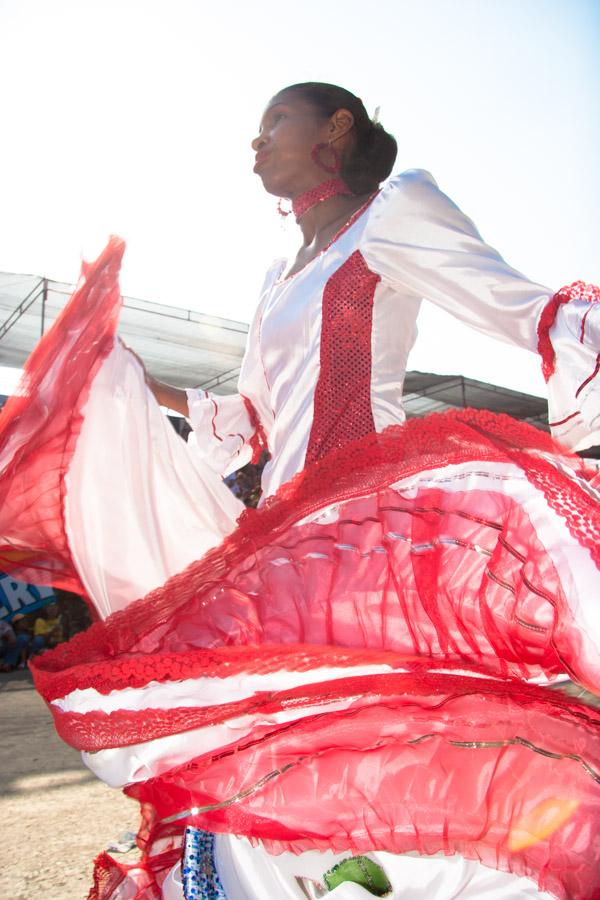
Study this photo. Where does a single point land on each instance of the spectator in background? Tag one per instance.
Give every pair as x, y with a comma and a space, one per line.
48, 627
74, 613
8, 643
17, 643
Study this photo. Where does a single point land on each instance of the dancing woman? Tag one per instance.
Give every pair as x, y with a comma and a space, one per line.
341, 687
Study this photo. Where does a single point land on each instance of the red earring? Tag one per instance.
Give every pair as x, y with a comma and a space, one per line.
336, 165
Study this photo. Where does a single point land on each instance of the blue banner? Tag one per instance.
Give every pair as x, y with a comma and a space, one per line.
18, 597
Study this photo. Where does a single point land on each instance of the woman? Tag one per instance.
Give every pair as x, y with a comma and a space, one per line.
342, 689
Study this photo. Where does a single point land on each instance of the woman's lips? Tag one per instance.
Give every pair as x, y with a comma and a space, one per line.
261, 158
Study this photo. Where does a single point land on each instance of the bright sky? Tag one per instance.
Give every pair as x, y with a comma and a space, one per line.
135, 117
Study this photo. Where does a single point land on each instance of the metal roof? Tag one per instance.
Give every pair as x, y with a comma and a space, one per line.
425, 393
179, 346
190, 349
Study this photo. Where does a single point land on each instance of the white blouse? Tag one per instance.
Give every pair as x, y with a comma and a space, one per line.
410, 243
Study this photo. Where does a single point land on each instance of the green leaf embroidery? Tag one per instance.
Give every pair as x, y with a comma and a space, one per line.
361, 870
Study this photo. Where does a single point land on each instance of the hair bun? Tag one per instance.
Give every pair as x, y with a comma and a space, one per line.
372, 160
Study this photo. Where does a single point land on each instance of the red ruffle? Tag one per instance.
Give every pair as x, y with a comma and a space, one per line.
93, 731
214, 601
431, 764
579, 290
426, 578
40, 424
143, 878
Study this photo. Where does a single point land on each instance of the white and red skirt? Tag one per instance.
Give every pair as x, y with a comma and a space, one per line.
359, 666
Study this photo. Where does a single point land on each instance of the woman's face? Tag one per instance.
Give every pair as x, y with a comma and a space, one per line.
289, 129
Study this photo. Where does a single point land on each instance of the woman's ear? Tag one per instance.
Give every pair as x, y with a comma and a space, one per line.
340, 124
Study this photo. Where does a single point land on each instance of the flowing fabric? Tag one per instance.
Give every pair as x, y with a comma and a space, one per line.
351, 669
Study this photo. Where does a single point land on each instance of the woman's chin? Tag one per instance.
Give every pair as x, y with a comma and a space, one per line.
270, 186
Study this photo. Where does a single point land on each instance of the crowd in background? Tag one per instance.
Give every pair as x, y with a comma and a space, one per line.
28, 634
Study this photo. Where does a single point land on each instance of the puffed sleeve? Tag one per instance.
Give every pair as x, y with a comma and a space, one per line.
226, 436
231, 431
420, 243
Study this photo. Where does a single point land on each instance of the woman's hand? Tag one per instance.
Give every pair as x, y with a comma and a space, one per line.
166, 394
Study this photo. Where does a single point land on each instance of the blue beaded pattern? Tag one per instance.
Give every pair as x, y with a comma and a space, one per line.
199, 872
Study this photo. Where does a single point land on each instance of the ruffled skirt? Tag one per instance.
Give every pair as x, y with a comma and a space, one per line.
352, 668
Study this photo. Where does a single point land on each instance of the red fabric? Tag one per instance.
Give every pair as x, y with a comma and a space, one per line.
143, 879
258, 441
40, 424
342, 404
425, 577
97, 730
238, 566
579, 290
131, 671
324, 191
442, 764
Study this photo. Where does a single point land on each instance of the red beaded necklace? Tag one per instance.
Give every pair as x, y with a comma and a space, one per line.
324, 191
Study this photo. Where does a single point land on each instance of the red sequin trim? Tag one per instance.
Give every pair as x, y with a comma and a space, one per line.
324, 191
342, 404
258, 441
579, 290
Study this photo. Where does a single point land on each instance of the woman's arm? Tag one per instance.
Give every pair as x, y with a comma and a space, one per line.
422, 245
227, 430
166, 395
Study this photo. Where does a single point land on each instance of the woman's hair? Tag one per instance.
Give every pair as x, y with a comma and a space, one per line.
374, 151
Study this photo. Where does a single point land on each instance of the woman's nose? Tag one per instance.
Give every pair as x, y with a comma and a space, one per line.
258, 142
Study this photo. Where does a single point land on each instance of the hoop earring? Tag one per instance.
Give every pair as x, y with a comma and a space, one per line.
282, 212
315, 154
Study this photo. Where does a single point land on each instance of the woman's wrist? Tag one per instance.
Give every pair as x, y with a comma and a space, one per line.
169, 396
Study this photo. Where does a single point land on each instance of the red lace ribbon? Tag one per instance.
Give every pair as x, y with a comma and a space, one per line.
258, 441
579, 290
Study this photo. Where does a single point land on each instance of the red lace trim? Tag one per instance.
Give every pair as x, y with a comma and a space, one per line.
258, 441
97, 730
45, 415
218, 662
579, 290
342, 405
358, 468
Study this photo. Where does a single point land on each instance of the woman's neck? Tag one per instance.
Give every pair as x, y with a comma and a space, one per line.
323, 220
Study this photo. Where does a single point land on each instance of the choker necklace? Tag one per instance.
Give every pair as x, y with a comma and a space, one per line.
324, 191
